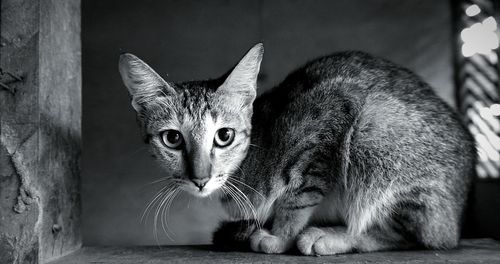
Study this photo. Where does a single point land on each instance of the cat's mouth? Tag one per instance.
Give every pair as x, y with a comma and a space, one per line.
200, 190
201, 193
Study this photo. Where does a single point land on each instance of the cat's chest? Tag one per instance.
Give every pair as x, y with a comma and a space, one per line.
328, 211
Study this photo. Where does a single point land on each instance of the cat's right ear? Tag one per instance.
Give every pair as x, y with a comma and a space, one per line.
142, 82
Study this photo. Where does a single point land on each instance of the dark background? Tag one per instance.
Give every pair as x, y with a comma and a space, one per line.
187, 40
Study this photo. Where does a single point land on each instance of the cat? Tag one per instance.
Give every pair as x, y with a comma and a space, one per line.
350, 153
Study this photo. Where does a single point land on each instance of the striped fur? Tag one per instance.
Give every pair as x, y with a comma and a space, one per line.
349, 153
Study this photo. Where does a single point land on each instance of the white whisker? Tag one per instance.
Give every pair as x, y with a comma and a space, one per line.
159, 180
257, 146
248, 203
165, 213
246, 185
158, 213
238, 202
155, 200
161, 201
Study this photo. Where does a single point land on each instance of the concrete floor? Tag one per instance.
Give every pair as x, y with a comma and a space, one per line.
470, 251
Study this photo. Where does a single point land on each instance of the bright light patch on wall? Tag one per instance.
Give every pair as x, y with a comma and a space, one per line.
495, 109
482, 154
472, 10
485, 112
479, 94
491, 152
490, 24
489, 112
480, 38
492, 57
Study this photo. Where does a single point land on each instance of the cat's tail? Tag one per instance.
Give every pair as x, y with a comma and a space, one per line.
233, 235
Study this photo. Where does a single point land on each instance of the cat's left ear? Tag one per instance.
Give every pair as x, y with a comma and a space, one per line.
241, 84
142, 82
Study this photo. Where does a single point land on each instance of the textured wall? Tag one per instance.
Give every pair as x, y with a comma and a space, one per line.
40, 127
201, 39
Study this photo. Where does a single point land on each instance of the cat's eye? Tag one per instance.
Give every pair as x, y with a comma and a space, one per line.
224, 137
172, 138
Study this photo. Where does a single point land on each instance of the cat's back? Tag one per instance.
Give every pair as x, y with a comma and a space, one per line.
385, 102
354, 84
354, 74
374, 106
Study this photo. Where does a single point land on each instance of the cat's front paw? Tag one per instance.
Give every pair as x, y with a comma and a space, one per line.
323, 241
262, 241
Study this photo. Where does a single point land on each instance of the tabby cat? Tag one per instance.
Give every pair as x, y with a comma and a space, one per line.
350, 153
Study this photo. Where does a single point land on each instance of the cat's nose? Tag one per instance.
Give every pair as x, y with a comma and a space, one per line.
200, 182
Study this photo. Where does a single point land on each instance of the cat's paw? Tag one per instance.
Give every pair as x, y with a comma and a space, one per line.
262, 241
323, 241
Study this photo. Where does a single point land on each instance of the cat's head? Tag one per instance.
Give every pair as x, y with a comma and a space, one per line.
198, 131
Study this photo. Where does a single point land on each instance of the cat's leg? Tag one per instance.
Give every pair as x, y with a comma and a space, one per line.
379, 232
432, 219
286, 226
291, 215
316, 240
337, 240
423, 221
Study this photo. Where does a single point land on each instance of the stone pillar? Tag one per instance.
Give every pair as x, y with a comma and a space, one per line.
40, 129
